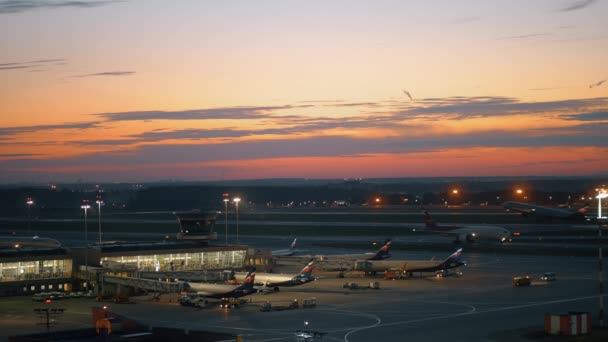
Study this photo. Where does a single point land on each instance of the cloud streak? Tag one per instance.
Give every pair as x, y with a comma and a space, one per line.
8, 131
577, 5
32, 64
523, 36
17, 6
107, 73
229, 113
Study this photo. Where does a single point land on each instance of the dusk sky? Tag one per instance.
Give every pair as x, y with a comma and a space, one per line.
142, 90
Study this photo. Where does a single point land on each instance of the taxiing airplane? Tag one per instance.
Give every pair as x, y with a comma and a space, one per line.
287, 252
276, 280
224, 290
25, 242
574, 214
410, 266
467, 233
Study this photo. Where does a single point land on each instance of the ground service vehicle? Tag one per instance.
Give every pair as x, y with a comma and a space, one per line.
309, 303
390, 275
266, 307
521, 281
548, 276
231, 303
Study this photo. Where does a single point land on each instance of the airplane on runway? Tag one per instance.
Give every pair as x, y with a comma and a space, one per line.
25, 242
467, 233
276, 280
410, 266
574, 214
287, 252
223, 290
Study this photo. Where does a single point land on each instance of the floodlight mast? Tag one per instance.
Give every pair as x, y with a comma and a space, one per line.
601, 195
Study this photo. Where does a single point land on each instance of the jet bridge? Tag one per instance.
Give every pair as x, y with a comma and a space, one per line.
145, 284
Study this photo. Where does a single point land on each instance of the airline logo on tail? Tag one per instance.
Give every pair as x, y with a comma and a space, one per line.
305, 275
249, 281
453, 260
307, 269
383, 253
456, 256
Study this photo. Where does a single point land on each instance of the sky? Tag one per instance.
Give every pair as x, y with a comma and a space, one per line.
144, 90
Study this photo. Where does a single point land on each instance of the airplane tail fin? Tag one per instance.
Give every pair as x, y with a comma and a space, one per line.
428, 220
293, 244
307, 270
249, 281
305, 274
454, 258
383, 252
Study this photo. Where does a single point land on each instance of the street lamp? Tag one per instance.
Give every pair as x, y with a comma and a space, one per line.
86, 207
226, 200
29, 203
236, 203
602, 195
99, 203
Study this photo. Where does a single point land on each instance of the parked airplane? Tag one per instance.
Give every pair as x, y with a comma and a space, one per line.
575, 214
276, 280
381, 254
410, 266
224, 290
287, 252
24, 242
467, 233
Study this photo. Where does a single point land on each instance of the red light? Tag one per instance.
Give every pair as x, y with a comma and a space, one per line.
516, 234
48, 301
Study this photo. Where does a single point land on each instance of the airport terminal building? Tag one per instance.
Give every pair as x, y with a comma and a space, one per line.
29, 270
33, 270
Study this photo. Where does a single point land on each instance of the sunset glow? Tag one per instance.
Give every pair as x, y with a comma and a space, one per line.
148, 90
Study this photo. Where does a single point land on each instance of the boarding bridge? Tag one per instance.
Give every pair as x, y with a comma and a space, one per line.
145, 284
201, 275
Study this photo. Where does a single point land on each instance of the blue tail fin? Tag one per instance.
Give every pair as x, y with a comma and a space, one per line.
307, 270
249, 281
454, 258
383, 252
305, 274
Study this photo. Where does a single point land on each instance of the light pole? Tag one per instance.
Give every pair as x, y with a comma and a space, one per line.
602, 195
29, 203
226, 217
86, 206
99, 203
236, 203
455, 193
